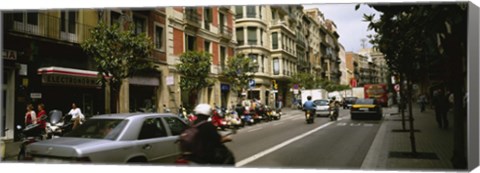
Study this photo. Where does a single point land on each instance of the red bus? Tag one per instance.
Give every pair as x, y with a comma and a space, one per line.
377, 91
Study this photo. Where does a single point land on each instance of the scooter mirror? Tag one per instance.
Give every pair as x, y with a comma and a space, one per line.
19, 127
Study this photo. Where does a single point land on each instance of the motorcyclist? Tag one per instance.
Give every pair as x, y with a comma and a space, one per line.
309, 106
334, 106
210, 141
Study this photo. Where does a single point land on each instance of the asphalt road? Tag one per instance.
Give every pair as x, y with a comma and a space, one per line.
291, 143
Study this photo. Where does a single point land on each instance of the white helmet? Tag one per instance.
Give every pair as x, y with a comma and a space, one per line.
203, 109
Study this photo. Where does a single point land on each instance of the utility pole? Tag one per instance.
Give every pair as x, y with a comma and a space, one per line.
364, 42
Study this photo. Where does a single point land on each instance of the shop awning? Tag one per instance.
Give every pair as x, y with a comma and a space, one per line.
67, 71
69, 77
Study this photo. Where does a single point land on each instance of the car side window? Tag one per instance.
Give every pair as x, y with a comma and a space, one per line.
152, 128
176, 125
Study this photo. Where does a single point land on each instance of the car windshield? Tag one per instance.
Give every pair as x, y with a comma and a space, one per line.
364, 101
320, 102
99, 129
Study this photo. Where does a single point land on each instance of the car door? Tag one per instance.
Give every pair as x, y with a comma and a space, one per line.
175, 127
154, 142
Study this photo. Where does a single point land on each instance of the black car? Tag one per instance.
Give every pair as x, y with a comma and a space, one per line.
348, 102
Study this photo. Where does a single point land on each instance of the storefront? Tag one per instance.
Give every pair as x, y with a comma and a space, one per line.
60, 87
143, 91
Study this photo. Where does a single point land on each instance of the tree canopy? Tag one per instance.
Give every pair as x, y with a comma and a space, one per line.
238, 71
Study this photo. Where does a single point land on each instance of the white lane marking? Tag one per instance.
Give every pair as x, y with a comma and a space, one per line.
296, 118
276, 147
278, 123
341, 124
251, 130
368, 125
355, 124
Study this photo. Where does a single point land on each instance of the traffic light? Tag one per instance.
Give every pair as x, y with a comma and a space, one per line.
275, 86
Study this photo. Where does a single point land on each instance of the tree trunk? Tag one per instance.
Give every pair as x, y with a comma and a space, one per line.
412, 130
402, 100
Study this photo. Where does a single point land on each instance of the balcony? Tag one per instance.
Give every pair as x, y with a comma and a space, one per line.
192, 18
226, 32
46, 26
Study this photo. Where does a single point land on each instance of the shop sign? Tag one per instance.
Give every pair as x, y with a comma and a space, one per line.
9, 54
170, 80
36, 95
23, 71
55, 79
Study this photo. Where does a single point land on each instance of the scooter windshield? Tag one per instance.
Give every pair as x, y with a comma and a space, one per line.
55, 116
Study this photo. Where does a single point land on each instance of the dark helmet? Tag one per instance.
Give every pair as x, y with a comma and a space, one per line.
333, 98
309, 97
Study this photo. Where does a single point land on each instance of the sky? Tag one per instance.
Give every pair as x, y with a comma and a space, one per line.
349, 23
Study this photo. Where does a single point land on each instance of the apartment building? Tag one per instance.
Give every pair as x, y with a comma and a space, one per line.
45, 63
208, 29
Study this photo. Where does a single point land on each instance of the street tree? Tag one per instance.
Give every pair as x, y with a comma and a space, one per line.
118, 54
238, 72
194, 67
305, 80
414, 36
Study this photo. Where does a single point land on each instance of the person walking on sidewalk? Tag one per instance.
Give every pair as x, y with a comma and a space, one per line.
422, 99
441, 108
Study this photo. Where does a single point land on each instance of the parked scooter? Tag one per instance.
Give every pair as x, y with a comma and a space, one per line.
218, 121
29, 134
247, 117
233, 120
276, 114
58, 124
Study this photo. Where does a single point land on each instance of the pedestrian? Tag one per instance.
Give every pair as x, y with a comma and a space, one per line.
77, 116
279, 102
423, 101
210, 148
42, 120
441, 108
165, 109
31, 119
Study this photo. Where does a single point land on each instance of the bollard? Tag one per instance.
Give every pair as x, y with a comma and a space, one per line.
2, 150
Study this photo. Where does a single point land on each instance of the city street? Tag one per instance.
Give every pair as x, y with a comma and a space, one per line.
292, 143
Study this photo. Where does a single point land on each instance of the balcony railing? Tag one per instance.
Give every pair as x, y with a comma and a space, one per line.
226, 31
192, 17
51, 27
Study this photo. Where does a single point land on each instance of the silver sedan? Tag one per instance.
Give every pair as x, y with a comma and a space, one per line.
115, 138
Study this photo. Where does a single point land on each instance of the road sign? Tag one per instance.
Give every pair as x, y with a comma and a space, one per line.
170, 80
251, 83
397, 87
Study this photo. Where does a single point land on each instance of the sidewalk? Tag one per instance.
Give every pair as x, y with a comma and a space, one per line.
430, 139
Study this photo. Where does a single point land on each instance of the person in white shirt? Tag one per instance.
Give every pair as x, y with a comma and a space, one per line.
77, 116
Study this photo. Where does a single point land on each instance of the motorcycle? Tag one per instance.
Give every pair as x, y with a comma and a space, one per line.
58, 124
247, 117
232, 119
186, 157
333, 114
218, 120
276, 114
30, 134
309, 117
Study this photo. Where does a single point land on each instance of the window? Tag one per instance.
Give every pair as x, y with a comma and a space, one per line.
273, 14
239, 12
274, 40
159, 36
260, 11
190, 41
176, 126
207, 46
276, 66
31, 18
252, 35
139, 25
208, 17
99, 129
152, 128
251, 12
223, 54
261, 36
68, 21
115, 18
240, 36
